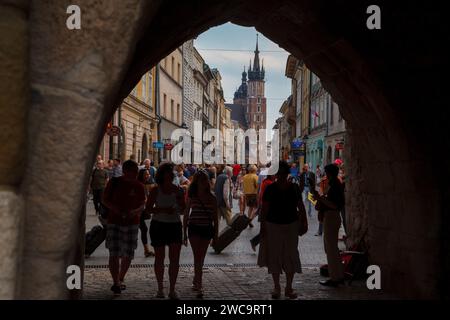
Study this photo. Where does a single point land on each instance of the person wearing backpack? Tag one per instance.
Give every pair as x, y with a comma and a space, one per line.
125, 199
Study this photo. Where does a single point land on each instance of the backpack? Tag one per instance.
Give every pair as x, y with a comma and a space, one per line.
103, 209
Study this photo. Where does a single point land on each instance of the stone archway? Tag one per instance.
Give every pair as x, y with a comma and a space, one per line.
70, 74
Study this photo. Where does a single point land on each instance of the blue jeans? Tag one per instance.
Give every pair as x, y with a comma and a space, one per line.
306, 201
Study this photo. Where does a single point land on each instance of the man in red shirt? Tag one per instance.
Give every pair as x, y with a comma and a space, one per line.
125, 198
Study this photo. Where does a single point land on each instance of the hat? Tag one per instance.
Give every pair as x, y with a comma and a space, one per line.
338, 162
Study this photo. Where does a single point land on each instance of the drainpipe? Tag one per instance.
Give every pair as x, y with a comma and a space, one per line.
119, 153
158, 109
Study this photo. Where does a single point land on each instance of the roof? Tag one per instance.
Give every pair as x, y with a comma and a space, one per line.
238, 114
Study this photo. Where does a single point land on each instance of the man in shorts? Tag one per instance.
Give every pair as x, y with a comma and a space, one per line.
125, 198
250, 182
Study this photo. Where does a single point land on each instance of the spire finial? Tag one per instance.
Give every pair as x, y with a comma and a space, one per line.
257, 37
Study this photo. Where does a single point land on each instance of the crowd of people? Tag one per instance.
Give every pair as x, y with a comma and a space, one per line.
185, 202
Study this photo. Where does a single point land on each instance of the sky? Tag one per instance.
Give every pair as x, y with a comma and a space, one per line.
213, 44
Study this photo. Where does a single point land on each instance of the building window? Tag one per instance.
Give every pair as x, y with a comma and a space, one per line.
331, 113
172, 110
150, 86
144, 88
172, 71
178, 113
259, 108
259, 100
257, 118
165, 106
179, 74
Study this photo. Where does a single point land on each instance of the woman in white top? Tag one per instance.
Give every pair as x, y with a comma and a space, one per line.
165, 203
238, 192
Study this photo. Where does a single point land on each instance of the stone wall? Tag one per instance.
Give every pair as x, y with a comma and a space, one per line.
74, 75
14, 99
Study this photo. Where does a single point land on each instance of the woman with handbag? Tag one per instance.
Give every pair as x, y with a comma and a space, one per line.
329, 206
283, 219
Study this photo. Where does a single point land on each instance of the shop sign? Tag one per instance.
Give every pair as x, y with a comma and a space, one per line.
113, 131
297, 144
158, 145
339, 146
168, 146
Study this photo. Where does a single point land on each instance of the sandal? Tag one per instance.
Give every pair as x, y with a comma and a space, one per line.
200, 294
290, 294
173, 296
160, 294
116, 290
276, 294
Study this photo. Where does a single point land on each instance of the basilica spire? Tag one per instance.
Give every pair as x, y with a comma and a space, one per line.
244, 76
257, 72
256, 60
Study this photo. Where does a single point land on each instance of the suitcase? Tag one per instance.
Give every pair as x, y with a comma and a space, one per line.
239, 222
94, 239
230, 233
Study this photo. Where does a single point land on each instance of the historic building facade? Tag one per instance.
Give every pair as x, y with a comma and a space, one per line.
170, 95
319, 100
137, 122
335, 138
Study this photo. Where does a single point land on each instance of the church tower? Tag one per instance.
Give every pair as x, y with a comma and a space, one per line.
256, 100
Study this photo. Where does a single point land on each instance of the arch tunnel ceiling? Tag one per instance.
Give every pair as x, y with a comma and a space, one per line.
370, 69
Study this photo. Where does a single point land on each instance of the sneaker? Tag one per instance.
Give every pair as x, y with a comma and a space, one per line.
116, 290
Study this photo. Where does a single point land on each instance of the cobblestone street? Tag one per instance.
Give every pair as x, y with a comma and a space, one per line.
221, 283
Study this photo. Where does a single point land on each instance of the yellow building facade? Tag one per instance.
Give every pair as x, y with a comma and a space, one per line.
136, 118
